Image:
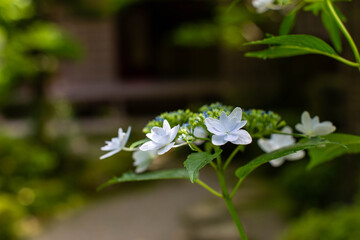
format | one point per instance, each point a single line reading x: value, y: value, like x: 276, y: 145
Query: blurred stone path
x: 158, y: 213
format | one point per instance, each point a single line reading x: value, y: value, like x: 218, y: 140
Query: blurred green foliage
x: 23, y: 159
x: 231, y: 27
x: 29, y: 46
x: 320, y: 187
x: 33, y: 183
x: 29, y: 187
x: 338, y: 224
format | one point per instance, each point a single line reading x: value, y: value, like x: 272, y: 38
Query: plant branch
x: 236, y: 188
x: 344, y: 31
x: 207, y: 187
x: 232, y: 155
x: 230, y: 205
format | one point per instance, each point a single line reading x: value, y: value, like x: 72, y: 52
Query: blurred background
x: 73, y: 72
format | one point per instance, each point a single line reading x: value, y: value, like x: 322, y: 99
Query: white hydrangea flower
x: 143, y: 159
x: 162, y: 139
x: 228, y: 129
x: 313, y: 127
x: 277, y: 141
x: 116, y: 144
x: 264, y: 5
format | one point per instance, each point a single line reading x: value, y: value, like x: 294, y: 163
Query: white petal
x: 140, y: 156
x: 200, y: 132
x: 286, y: 129
x: 110, y: 153
x: 214, y: 126
x: 300, y: 128
x: 315, y: 121
x: 173, y: 132
x: 166, y: 126
x: 161, y: 140
x: 143, y: 166
x: 324, y: 128
x: 166, y: 148
x: 120, y: 132
x: 306, y: 122
x: 108, y: 147
x: 158, y: 131
x: 115, y: 141
x: 218, y: 140
x: 237, y: 125
x: 277, y: 162
x: 265, y: 145
x: 236, y: 113
x: 225, y: 121
x: 142, y: 160
x: 295, y: 156
x: 149, y: 146
x: 126, y: 137
x: 282, y: 140
x: 243, y: 139
x: 231, y: 137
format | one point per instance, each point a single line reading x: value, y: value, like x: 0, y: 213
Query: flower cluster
x: 313, y: 127
x: 278, y: 141
x: 228, y: 129
x: 216, y: 124
x: 162, y: 139
x: 116, y: 144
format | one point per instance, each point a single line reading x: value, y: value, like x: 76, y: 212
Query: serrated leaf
x: 245, y: 170
x: 288, y: 23
x: 332, y: 151
x: 332, y: 28
x: 292, y: 45
x: 180, y: 173
x: 196, y: 161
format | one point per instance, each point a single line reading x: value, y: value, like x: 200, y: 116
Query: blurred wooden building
x: 132, y: 65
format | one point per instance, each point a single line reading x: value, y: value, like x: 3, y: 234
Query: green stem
x: 232, y: 155
x: 207, y: 187
x: 235, y: 218
x: 236, y: 188
x: 344, y: 60
x: 344, y: 31
x: 194, y: 147
x: 230, y: 205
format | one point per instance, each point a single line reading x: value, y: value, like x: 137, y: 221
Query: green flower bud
x: 261, y: 123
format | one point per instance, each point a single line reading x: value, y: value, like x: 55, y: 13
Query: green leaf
x: 245, y: 170
x: 332, y: 28
x: 288, y: 23
x: 196, y: 161
x: 277, y: 52
x: 180, y: 173
x: 347, y: 144
x: 293, y: 45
